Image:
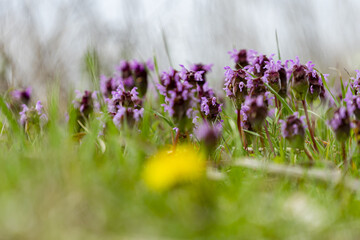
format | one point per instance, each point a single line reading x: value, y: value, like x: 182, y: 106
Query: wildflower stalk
x: 176, y: 140
x: 309, y: 124
x: 268, y: 137
x: 343, y: 149
x: 309, y: 156
x: 239, y: 119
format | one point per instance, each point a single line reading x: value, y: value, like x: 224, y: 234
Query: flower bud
x: 340, y: 123
x: 211, y: 108
x: 293, y: 131
x: 300, y: 84
x: 236, y: 85
x: 209, y: 135
x: 256, y: 111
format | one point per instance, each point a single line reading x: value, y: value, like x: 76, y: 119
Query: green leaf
x: 9, y: 116
x: 282, y: 100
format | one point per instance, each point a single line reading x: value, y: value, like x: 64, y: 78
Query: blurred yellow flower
x: 168, y: 168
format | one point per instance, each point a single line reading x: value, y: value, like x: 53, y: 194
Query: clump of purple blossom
x: 129, y: 74
x: 272, y: 74
x: 256, y: 111
x: 300, y: 83
x: 210, y: 108
x: 86, y: 103
x: 236, y: 85
x: 179, y: 97
x: 293, y: 130
x: 356, y: 83
x: 353, y: 104
x: 316, y: 87
x: 125, y: 106
x: 240, y: 57
x: 34, y: 116
x: 209, y: 135
x: 203, y: 69
x: 340, y: 124
x: 22, y: 96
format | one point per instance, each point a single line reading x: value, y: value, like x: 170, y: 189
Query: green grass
x: 53, y: 186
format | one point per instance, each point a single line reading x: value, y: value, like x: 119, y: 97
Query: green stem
x: 309, y: 125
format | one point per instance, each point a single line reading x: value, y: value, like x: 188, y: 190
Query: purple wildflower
x: 256, y: 111
x: 356, y: 83
x: 258, y: 65
x: 256, y: 87
x: 293, y: 130
x: 85, y: 103
x: 209, y: 135
x: 179, y: 96
x: 236, y: 85
x: 107, y: 85
x: 22, y: 96
x: 33, y: 115
x: 125, y: 106
x: 316, y: 87
x: 132, y: 74
x: 353, y: 104
x: 168, y: 81
x: 211, y: 108
x: 204, y: 69
x: 300, y: 83
x: 272, y: 74
x: 195, y: 78
x: 340, y: 123
x: 243, y: 57
x: 283, y: 82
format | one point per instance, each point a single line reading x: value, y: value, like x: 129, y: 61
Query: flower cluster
x: 242, y: 58
x: 306, y: 82
x: 86, y: 103
x: 340, y: 123
x: 356, y: 83
x: 196, y: 77
x: 211, y: 108
x: 209, y: 135
x: 186, y: 91
x: 255, y: 111
x: 22, y: 96
x: 203, y: 69
x: 125, y: 106
x: 293, y: 130
x: 33, y: 116
x: 130, y: 74
x: 179, y: 95
x: 236, y: 85
x: 316, y: 87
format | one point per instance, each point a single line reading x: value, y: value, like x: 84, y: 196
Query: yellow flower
x: 168, y: 168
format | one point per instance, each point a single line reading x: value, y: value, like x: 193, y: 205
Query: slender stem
x: 312, y: 119
x: 309, y: 156
x: 262, y: 141
x: 239, y: 127
x: 243, y: 134
x: 309, y: 125
x: 343, y: 149
x: 269, y: 140
x: 176, y: 139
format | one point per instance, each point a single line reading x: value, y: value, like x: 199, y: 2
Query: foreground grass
x: 53, y: 187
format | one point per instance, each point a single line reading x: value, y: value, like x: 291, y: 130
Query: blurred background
x: 44, y: 41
